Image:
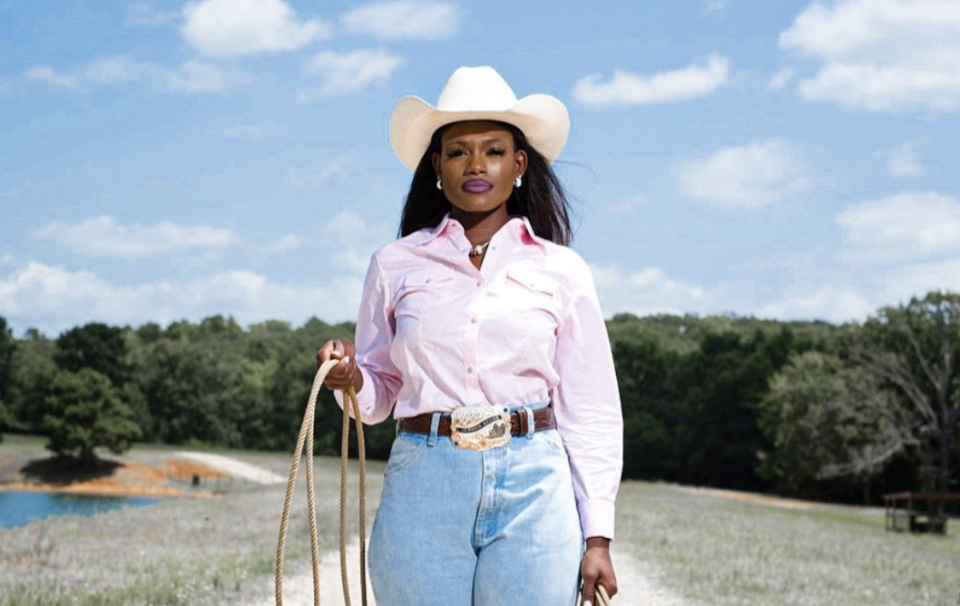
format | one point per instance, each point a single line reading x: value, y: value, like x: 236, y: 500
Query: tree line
x: 806, y: 409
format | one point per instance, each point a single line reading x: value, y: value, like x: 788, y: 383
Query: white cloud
x: 901, y: 283
x: 716, y: 6
x: 645, y: 291
x: 664, y: 87
x: 104, y: 71
x: 199, y: 77
x: 192, y: 77
x: 896, y: 229
x: 902, y: 160
x: 893, y: 249
x: 284, y: 244
x: 354, y: 241
x: 316, y: 175
x: 343, y: 73
x: 744, y: 178
x: 233, y: 28
x: 881, y: 55
x: 48, y: 75
x: 143, y: 14
x: 101, y: 236
x: 781, y: 78
x: 833, y: 303
x: 630, y: 205
x: 253, y: 131
x: 53, y: 299
x: 405, y: 19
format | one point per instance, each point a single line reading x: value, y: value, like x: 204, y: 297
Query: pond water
x: 20, y: 508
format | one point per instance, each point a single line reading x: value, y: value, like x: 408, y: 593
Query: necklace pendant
x: 479, y: 249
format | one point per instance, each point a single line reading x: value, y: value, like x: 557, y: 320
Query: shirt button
x: 473, y: 320
x: 469, y: 370
x: 479, y: 282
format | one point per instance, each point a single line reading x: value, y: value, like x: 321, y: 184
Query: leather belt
x: 542, y: 419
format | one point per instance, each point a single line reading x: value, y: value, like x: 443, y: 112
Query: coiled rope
x: 306, y: 437
x: 601, y: 597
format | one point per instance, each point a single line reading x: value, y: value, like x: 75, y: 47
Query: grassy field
x: 701, y: 547
x: 716, y: 550
x: 180, y: 552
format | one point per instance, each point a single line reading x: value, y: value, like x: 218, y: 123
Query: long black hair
x: 540, y: 199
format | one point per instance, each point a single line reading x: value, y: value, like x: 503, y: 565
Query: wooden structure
x: 921, y: 511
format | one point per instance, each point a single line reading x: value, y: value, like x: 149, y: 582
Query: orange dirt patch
x: 185, y: 470
x: 750, y: 497
x: 132, y: 478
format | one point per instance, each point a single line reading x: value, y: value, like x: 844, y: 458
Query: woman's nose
x: 476, y: 167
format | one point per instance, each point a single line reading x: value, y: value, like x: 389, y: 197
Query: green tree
x: 7, y: 347
x: 723, y: 384
x: 95, y: 346
x: 32, y: 373
x: 913, y: 350
x: 652, y: 411
x: 826, y: 420
x: 186, y: 387
x: 83, y: 413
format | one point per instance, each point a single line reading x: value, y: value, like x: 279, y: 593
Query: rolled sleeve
x: 587, y: 406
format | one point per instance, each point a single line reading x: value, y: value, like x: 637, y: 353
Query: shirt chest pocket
x: 421, y: 291
x: 533, y: 295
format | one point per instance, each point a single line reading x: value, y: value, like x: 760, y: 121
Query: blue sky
x: 166, y: 160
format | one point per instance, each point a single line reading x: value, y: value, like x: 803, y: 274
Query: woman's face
x: 477, y: 165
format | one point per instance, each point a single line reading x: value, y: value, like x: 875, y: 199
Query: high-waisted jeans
x: 463, y: 528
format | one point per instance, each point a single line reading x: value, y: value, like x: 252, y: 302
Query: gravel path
x: 298, y: 588
x: 234, y: 467
x: 637, y: 586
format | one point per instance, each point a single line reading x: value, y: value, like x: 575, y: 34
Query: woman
x: 482, y: 332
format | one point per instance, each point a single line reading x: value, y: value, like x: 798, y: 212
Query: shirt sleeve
x: 374, y: 336
x: 587, y: 407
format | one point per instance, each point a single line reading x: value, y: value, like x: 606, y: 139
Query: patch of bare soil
x: 750, y: 497
x: 170, y: 477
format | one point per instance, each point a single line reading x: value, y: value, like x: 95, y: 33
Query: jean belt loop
x: 399, y: 429
x: 531, y: 426
x: 434, y: 428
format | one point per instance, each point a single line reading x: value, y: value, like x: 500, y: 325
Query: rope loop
x: 306, y: 439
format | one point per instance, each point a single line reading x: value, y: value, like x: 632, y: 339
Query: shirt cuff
x: 597, y: 518
x: 365, y: 398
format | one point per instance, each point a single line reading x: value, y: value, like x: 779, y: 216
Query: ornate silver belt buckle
x: 480, y: 427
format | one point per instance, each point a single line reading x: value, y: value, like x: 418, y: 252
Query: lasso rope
x: 306, y: 436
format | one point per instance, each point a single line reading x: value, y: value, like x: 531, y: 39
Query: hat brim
x: 543, y: 119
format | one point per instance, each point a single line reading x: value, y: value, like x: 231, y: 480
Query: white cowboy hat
x: 478, y: 93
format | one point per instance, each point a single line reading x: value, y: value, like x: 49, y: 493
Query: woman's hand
x: 597, y: 569
x: 345, y: 374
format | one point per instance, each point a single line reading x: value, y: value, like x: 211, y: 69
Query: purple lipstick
x: 477, y: 186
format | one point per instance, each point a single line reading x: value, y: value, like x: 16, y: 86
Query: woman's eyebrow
x: 484, y: 142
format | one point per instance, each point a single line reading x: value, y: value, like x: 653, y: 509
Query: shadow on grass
x: 67, y: 470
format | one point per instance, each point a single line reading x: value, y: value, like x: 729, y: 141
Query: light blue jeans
x: 463, y: 528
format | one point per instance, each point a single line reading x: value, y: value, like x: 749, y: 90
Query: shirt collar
x: 518, y: 226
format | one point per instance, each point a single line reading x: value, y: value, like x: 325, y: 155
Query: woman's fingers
x: 344, y: 374
x: 597, y: 569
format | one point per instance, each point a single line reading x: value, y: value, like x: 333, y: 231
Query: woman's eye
x: 497, y: 152
x: 454, y: 153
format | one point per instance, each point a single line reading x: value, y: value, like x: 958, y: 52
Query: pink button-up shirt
x: 434, y: 333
